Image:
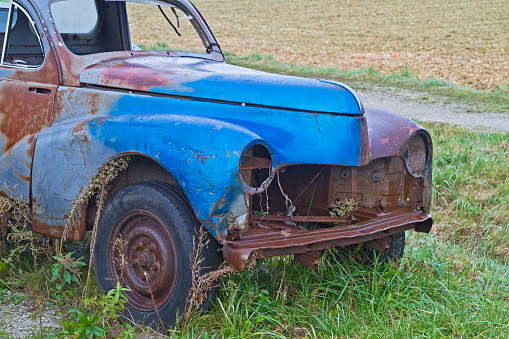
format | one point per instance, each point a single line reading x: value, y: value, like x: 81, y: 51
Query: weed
x: 66, y: 270
x: 98, y: 186
x: 202, y: 284
x: 343, y: 208
x: 87, y: 325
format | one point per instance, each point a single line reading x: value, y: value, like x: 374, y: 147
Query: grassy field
x: 461, y: 42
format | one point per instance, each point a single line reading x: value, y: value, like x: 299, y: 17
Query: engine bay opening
x: 316, y: 196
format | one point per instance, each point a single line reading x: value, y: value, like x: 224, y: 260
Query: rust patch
x: 75, y: 232
x: 309, y: 259
x: 31, y: 146
x: 133, y: 76
x: 22, y: 112
x: 269, y: 241
x: 75, y: 102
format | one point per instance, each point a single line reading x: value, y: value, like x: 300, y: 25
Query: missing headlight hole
x: 256, y: 165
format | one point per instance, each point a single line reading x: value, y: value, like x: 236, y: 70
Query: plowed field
x: 465, y: 42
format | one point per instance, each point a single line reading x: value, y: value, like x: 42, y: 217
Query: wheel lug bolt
x: 133, y: 263
x: 151, y: 248
x: 137, y: 246
x: 154, y: 267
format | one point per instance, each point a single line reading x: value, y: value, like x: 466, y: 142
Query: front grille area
x: 378, y: 184
x: 312, y: 189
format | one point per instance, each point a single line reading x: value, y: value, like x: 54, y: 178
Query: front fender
x: 388, y: 134
x: 69, y: 154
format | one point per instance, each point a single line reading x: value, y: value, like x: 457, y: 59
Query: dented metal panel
x: 273, y: 241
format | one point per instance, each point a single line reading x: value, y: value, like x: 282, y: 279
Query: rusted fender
x: 387, y: 134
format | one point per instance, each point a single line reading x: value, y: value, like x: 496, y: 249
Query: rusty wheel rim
x: 143, y: 249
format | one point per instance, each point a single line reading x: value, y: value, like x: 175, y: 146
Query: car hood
x: 193, y: 78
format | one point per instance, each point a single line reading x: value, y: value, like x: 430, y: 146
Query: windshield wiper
x: 168, y: 19
x: 176, y: 16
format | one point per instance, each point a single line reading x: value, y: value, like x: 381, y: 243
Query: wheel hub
x: 149, y: 251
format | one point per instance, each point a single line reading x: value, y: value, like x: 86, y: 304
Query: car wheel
x: 366, y: 255
x: 395, y: 252
x: 145, y: 233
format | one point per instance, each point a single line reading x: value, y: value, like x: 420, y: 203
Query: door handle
x: 39, y: 90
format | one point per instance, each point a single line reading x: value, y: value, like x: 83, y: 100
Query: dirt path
x: 422, y: 107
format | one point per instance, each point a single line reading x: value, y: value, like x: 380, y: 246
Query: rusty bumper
x: 271, y: 240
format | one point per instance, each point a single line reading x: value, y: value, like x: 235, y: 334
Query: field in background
x: 464, y: 42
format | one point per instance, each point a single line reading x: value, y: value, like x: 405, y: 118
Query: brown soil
x: 465, y: 42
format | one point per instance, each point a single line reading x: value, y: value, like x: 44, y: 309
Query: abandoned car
x: 269, y: 164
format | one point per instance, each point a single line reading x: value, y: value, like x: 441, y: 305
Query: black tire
x: 368, y: 256
x: 395, y: 252
x: 157, y: 226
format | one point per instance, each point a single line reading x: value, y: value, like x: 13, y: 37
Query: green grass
x: 479, y: 100
x: 438, y: 291
x: 471, y: 188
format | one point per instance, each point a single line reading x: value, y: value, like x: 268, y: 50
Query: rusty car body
x: 259, y: 159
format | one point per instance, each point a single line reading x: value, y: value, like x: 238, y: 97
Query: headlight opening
x: 417, y: 154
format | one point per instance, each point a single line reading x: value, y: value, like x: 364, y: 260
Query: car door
x: 28, y: 82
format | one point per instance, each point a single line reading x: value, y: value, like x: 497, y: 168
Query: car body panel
x: 84, y: 137
x: 208, y: 80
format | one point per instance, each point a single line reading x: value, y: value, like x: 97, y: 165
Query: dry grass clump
x: 16, y: 237
x: 202, y: 283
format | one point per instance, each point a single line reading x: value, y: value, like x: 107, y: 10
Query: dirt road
x: 422, y: 107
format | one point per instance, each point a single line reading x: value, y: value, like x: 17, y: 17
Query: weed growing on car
x: 202, y: 284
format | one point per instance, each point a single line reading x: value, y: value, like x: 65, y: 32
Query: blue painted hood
x: 217, y: 81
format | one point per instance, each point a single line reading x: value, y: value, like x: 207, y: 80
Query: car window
x: 78, y: 17
x: 97, y: 26
x: 88, y: 26
x: 162, y: 28
x: 4, y: 15
x: 22, y: 43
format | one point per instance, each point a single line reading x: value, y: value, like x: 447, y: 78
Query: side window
x: 21, y: 43
x: 79, y: 17
x: 156, y: 27
x: 87, y: 26
x: 4, y: 16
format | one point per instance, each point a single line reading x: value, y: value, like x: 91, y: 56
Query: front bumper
x: 275, y: 237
